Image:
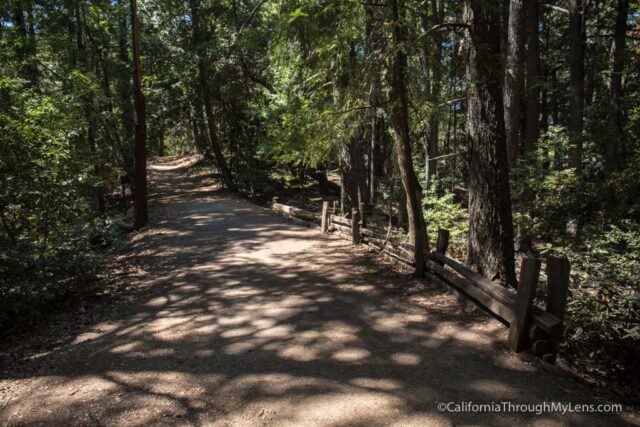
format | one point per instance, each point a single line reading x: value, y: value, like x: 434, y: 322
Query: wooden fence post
x: 335, y: 207
x: 441, y: 246
x: 557, y: 290
x: 355, y: 226
x: 324, y: 222
x: 443, y: 241
x: 529, y: 274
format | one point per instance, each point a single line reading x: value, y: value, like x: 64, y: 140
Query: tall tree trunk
x: 514, y: 79
x: 352, y: 166
x: 89, y: 105
x: 545, y: 111
x: 425, y: 56
x: 534, y: 74
x: 161, y: 140
x: 576, y: 83
x: 373, y: 50
x: 615, y: 142
x: 203, y: 78
x: 555, y: 96
x: 437, y: 11
x: 140, y: 215
x: 31, y: 47
x: 431, y: 52
x: 490, y: 246
x: 124, y: 89
x: 400, y: 123
x: 352, y: 171
x: 373, y: 147
x: 221, y: 162
x: 592, y: 60
x: 21, y: 31
x: 197, y: 127
x: 195, y: 131
x: 71, y: 28
x: 25, y: 47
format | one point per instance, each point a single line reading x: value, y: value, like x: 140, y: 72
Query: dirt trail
x: 244, y: 318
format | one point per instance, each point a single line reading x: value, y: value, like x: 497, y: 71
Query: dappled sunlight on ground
x: 246, y: 319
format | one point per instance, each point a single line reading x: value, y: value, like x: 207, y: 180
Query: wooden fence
x: 531, y: 327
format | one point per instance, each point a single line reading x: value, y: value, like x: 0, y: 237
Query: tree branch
x: 444, y: 156
x: 556, y: 8
x: 451, y: 26
x: 253, y: 12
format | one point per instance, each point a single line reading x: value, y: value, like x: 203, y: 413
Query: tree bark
x: 615, y: 142
x: 431, y: 52
x: 203, y: 78
x: 514, y: 79
x: 25, y: 47
x: 534, y: 73
x: 89, y: 105
x: 490, y: 245
x: 161, y: 140
x: 197, y: 127
x: 124, y: 89
x: 437, y: 10
x: 576, y: 83
x: 374, y: 52
x: 426, y: 67
x: 400, y: 123
x: 352, y: 171
x: 352, y: 165
x: 141, y: 215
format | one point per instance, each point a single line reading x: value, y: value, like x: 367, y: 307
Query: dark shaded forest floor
x: 234, y: 316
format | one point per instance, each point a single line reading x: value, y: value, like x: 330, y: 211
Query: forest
x: 513, y: 124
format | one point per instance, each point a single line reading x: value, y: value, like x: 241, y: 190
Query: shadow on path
x: 247, y: 319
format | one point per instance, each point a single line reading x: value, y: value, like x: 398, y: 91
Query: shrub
x: 441, y: 211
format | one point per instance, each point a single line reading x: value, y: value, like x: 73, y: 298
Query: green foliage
x: 33, y: 283
x: 593, y: 222
x: 605, y: 288
x: 297, y: 135
x: 47, y: 228
x: 546, y: 198
x: 625, y: 189
x: 441, y: 211
x: 40, y: 178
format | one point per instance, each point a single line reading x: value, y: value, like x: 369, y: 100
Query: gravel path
x: 245, y: 318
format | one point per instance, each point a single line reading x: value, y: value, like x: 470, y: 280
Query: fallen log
x: 296, y: 212
x: 341, y: 228
x: 335, y: 219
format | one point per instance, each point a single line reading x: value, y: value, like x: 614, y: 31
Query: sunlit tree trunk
x: 400, y: 122
x: 203, y: 78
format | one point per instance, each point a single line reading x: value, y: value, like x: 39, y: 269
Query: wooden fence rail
x: 530, y: 326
